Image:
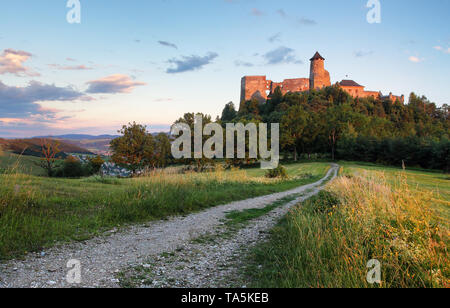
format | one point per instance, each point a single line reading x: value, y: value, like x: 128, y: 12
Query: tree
x: 336, y: 121
x: 96, y: 163
x: 229, y: 113
x: 292, y: 125
x: 189, y: 119
x: 72, y: 168
x: 162, y: 150
x: 134, y: 149
x: 49, y: 151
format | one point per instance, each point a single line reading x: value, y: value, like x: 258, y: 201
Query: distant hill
x: 79, y: 137
x: 95, y: 144
x: 32, y: 147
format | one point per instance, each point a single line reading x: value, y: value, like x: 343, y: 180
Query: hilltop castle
x: 258, y: 87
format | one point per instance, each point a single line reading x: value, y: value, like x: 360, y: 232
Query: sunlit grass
x: 363, y: 215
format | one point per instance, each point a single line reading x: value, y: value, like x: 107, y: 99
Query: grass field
x: 400, y: 218
x: 22, y: 164
x: 37, y: 212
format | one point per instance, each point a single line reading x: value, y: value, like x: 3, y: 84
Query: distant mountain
x: 32, y: 147
x: 79, y: 137
x: 95, y: 144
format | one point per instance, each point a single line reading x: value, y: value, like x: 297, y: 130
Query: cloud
x: 190, y: 63
x: 168, y: 44
x: 117, y: 83
x: 282, y: 13
x: 362, y: 53
x: 281, y: 55
x: 70, y: 68
x: 275, y: 38
x: 22, y: 101
x: 257, y: 12
x: 243, y: 63
x: 415, y: 59
x: 306, y: 21
x: 440, y: 48
x: 11, y: 61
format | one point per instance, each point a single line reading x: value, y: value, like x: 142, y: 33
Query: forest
x: 329, y: 123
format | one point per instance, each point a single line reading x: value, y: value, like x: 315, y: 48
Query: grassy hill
x: 400, y: 218
x: 32, y: 147
x: 21, y: 163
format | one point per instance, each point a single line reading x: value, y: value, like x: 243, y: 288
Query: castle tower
x: 319, y: 77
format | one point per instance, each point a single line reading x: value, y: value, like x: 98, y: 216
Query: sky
x: 151, y: 61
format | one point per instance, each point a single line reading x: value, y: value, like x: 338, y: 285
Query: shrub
x: 71, y: 168
x: 279, y: 172
x: 96, y: 164
x: 102, y: 180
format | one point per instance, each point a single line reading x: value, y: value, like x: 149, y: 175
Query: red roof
x: 349, y: 83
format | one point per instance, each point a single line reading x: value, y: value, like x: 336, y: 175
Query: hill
x: 95, y: 144
x: 21, y: 164
x: 32, y: 147
x: 79, y: 137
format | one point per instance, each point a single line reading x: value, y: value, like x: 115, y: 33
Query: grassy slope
x: 421, y: 180
x: 23, y: 164
x: 328, y: 241
x: 36, y: 212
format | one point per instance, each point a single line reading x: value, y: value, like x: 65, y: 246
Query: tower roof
x: 317, y: 56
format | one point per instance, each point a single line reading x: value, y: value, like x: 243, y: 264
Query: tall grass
x: 37, y: 212
x: 329, y: 240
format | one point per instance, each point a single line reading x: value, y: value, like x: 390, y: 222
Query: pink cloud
x: 12, y: 62
x: 117, y: 83
x: 70, y: 67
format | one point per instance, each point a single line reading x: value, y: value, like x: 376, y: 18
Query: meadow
x: 400, y: 218
x: 39, y: 212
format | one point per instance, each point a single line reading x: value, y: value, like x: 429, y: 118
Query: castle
x: 258, y: 87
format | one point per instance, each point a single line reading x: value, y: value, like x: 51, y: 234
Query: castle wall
x: 259, y: 87
x: 254, y: 87
x: 292, y: 85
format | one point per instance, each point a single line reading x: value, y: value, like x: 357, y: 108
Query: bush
x: 279, y: 172
x: 96, y: 164
x: 71, y: 168
x: 103, y: 180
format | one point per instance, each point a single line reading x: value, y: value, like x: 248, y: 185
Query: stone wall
x: 319, y: 76
x: 259, y: 87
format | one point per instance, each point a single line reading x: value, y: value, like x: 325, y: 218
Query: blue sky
x: 152, y: 61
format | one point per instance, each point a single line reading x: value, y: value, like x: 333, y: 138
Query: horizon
x: 173, y: 58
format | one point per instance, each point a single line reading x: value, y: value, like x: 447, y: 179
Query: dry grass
x: 328, y: 241
x: 403, y: 230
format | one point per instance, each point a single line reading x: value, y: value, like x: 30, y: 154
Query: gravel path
x: 103, y: 259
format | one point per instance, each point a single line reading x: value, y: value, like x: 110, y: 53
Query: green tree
x: 134, y: 149
x: 162, y: 150
x: 292, y: 125
x: 229, y: 113
x: 189, y: 119
x: 96, y: 163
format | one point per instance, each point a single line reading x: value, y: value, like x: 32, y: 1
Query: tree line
x: 327, y: 122
x: 331, y: 122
